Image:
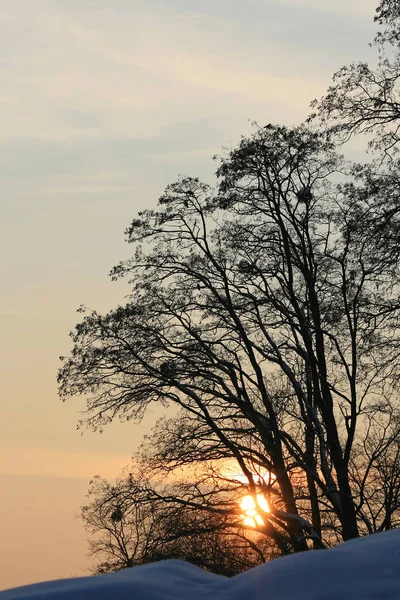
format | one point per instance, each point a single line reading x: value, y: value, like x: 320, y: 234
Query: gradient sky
x: 102, y: 104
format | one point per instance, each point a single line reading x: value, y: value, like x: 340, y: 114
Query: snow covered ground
x: 358, y: 570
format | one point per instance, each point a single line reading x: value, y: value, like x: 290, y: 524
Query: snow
x: 362, y: 569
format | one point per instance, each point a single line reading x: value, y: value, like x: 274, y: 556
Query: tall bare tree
x: 265, y: 314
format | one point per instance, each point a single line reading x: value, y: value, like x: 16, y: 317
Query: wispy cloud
x: 82, y: 72
x: 363, y: 8
x: 52, y: 462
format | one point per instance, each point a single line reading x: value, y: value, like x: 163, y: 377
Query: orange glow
x: 259, y: 478
x: 251, y: 516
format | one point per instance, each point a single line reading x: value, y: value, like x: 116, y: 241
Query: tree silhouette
x: 365, y: 99
x: 266, y: 313
x: 129, y: 527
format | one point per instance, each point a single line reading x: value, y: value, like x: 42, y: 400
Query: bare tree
x: 129, y: 527
x: 363, y: 98
x: 265, y: 314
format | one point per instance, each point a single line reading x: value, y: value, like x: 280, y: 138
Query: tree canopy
x: 364, y: 98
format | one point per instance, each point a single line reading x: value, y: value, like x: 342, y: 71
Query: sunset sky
x: 102, y: 105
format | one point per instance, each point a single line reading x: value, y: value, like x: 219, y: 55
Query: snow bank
x: 363, y: 569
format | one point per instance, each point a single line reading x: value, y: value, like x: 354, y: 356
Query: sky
x: 102, y: 105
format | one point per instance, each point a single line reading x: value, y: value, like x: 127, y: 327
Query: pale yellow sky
x: 102, y: 105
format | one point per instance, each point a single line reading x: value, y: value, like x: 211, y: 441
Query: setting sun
x: 251, y: 516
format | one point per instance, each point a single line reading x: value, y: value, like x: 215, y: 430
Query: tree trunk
x: 348, y: 516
